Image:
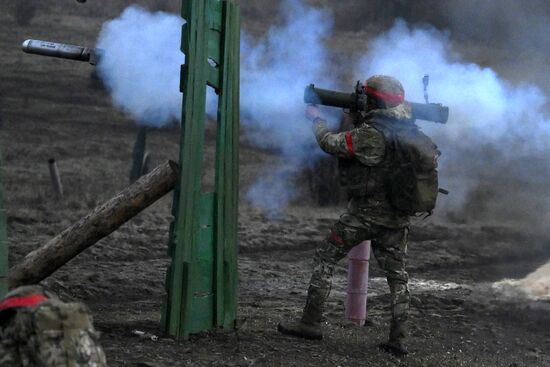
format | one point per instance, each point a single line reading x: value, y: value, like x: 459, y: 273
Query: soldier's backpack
x: 37, y: 329
x: 413, y: 181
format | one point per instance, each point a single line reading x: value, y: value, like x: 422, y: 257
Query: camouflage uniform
x: 366, y: 161
x: 47, y: 332
x: 368, y: 217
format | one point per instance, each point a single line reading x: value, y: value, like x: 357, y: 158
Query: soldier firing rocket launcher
x: 357, y: 101
x: 61, y: 50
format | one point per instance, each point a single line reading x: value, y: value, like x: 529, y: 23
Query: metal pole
x: 56, y: 180
x: 146, y: 165
x: 358, y: 283
x: 201, y: 281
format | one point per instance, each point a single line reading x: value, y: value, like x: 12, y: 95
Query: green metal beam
x: 227, y: 171
x: 202, y: 278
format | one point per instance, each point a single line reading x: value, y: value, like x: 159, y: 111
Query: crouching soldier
x: 39, y: 330
x: 389, y: 169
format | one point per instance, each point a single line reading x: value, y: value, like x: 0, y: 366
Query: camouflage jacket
x: 365, y: 163
x: 39, y: 330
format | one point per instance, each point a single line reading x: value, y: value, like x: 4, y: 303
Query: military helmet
x: 385, y: 90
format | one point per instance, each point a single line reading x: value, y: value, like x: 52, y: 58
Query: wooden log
x: 146, y: 166
x: 102, y: 221
x: 138, y: 154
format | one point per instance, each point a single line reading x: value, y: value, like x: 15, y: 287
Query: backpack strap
x: 393, y: 151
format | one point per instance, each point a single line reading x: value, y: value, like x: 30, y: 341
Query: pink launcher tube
x: 358, y: 283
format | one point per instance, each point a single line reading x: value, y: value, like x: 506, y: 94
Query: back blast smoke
x: 140, y: 64
x: 495, y: 161
x: 494, y: 145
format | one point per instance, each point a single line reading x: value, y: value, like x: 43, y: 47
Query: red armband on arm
x: 349, y: 144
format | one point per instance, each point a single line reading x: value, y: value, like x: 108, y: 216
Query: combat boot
x: 395, y: 345
x: 309, y: 326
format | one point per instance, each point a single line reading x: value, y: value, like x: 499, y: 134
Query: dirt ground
x: 52, y: 109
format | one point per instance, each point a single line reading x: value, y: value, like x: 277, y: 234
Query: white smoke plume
x: 494, y: 145
x: 482, y: 104
x: 275, y: 71
x: 140, y: 64
x: 535, y: 286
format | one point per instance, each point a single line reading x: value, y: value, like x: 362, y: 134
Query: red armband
x: 25, y: 301
x: 349, y: 144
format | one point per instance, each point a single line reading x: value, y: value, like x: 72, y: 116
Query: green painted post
x: 202, y: 278
x: 227, y: 174
x: 3, y: 243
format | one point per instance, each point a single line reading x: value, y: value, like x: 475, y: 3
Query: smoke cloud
x: 495, y: 141
x: 535, y: 286
x: 275, y: 72
x: 494, y: 145
x: 482, y: 104
x: 140, y: 64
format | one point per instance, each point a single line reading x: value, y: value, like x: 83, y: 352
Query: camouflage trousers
x: 389, y: 247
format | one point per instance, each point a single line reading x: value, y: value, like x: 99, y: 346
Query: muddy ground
x: 52, y: 109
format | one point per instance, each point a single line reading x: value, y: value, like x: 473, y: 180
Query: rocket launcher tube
x: 434, y: 112
x: 60, y: 50
x: 330, y: 98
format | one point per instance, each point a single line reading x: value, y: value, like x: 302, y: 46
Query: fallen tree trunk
x: 101, y: 222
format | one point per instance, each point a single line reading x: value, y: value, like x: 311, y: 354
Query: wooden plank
x: 189, y: 278
x: 181, y: 269
x: 203, y: 257
x: 223, y: 169
x: 204, y: 232
x: 230, y: 250
x: 227, y: 175
x: 191, y: 156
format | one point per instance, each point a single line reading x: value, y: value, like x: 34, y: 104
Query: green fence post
x: 227, y: 172
x: 201, y: 281
x: 3, y: 243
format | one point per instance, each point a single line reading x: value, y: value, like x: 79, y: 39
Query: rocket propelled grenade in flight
x: 61, y: 50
